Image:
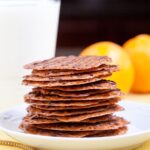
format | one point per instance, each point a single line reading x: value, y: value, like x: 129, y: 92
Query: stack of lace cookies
x: 71, y: 97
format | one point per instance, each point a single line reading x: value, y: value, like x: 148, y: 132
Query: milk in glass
x: 28, y: 32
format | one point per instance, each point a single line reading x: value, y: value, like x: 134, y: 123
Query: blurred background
x: 84, y: 22
x: 28, y: 32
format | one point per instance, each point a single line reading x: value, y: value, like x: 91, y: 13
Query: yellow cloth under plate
x: 8, y: 143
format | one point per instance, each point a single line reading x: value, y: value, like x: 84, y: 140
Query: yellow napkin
x: 145, y: 146
x: 8, y: 143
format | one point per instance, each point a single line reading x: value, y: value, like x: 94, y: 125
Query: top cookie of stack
x: 71, y: 70
x: 71, y: 97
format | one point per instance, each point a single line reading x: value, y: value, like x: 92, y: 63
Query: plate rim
x: 22, y: 134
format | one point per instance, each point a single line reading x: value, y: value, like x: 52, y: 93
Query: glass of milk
x: 28, y: 32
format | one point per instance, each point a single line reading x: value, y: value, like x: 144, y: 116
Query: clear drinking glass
x: 28, y: 32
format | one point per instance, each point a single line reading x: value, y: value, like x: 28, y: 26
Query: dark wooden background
x: 83, y: 22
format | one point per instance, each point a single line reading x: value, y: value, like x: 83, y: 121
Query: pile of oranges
x: 133, y: 59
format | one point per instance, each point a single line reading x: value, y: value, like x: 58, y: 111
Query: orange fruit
x: 138, y: 49
x: 124, y: 78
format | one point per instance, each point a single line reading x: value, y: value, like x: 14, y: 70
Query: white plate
x: 139, y: 131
